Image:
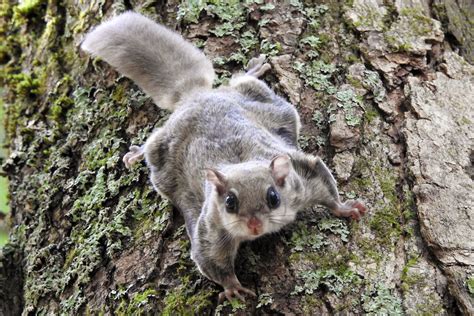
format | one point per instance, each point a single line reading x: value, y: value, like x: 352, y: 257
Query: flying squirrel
x: 227, y: 158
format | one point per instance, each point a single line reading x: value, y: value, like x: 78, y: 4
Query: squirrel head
x: 253, y: 198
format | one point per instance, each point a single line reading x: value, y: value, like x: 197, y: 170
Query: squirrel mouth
x: 255, y: 231
x: 255, y: 226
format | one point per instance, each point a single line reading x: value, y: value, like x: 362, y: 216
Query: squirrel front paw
x: 235, y: 291
x: 353, y: 209
x: 257, y: 66
x: 135, y: 154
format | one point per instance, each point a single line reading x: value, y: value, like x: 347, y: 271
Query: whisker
x: 223, y: 240
x: 231, y: 223
x: 279, y: 217
x: 277, y: 222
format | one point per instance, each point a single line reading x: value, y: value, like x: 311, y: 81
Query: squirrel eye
x: 231, y: 203
x: 273, y: 198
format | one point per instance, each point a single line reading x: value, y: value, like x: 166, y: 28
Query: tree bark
x: 384, y: 97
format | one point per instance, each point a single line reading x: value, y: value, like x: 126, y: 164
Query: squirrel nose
x: 254, y: 223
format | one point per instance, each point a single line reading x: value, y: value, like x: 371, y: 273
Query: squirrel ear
x: 280, y: 168
x: 310, y: 167
x: 217, y: 179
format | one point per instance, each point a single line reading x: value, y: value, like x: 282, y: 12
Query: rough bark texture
x: 385, y: 99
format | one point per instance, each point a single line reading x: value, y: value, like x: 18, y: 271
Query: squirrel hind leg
x: 135, y: 154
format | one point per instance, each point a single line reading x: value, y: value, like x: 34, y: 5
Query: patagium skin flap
x: 227, y: 158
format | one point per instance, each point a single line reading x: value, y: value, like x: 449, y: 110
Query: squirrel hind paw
x: 256, y: 61
x: 235, y: 292
x: 353, y: 209
x: 134, y: 155
x: 257, y: 66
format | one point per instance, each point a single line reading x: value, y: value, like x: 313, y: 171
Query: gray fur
x: 240, y: 139
x: 159, y: 60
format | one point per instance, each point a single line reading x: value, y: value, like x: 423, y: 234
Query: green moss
x: 26, y: 9
x: 351, y: 58
x: 69, y: 257
x: 404, y: 47
x: 370, y: 114
x: 270, y: 48
x: 58, y: 108
x: 440, y: 13
x: 360, y: 183
x: 356, y: 83
x: 317, y: 74
x: 368, y: 16
x: 264, y: 299
x: 183, y: 300
x: 408, y: 204
x: 152, y: 215
x: 373, y: 83
x: 93, y: 231
x: 311, y: 304
x: 370, y: 249
x: 338, y: 282
x: 303, y: 141
x: 119, y: 94
x: 232, y: 17
x: 392, y: 219
x: 312, y: 41
x: 303, y: 239
x: 389, y: 217
x: 336, y: 226
x: 4, y: 195
x: 331, y: 273
x: 248, y: 41
x: 314, y: 15
x: 230, y: 13
x: 97, y: 228
x: 318, y: 118
x: 432, y: 306
x: 349, y: 102
x: 417, y: 15
x: 386, y: 224
x: 235, y: 306
x: 409, y: 279
x: 185, y: 296
x: 338, y: 260
x: 103, y: 151
x: 28, y: 6
x: 135, y: 305
x: 24, y: 84
x: 411, y: 26
x: 378, y: 300
x: 226, y: 28
x: 470, y: 285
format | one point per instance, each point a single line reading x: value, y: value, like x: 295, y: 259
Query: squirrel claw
x: 135, y: 154
x: 353, y: 209
x: 235, y: 291
x: 256, y: 61
x: 257, y: 66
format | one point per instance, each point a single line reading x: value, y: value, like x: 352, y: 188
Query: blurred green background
x: 4, y: 208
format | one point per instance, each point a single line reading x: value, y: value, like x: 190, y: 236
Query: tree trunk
x: 384, y: 97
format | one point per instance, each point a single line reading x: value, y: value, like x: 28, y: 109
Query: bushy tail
x: 160, y: 61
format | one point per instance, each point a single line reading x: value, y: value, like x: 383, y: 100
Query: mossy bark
x: 89, y: 236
